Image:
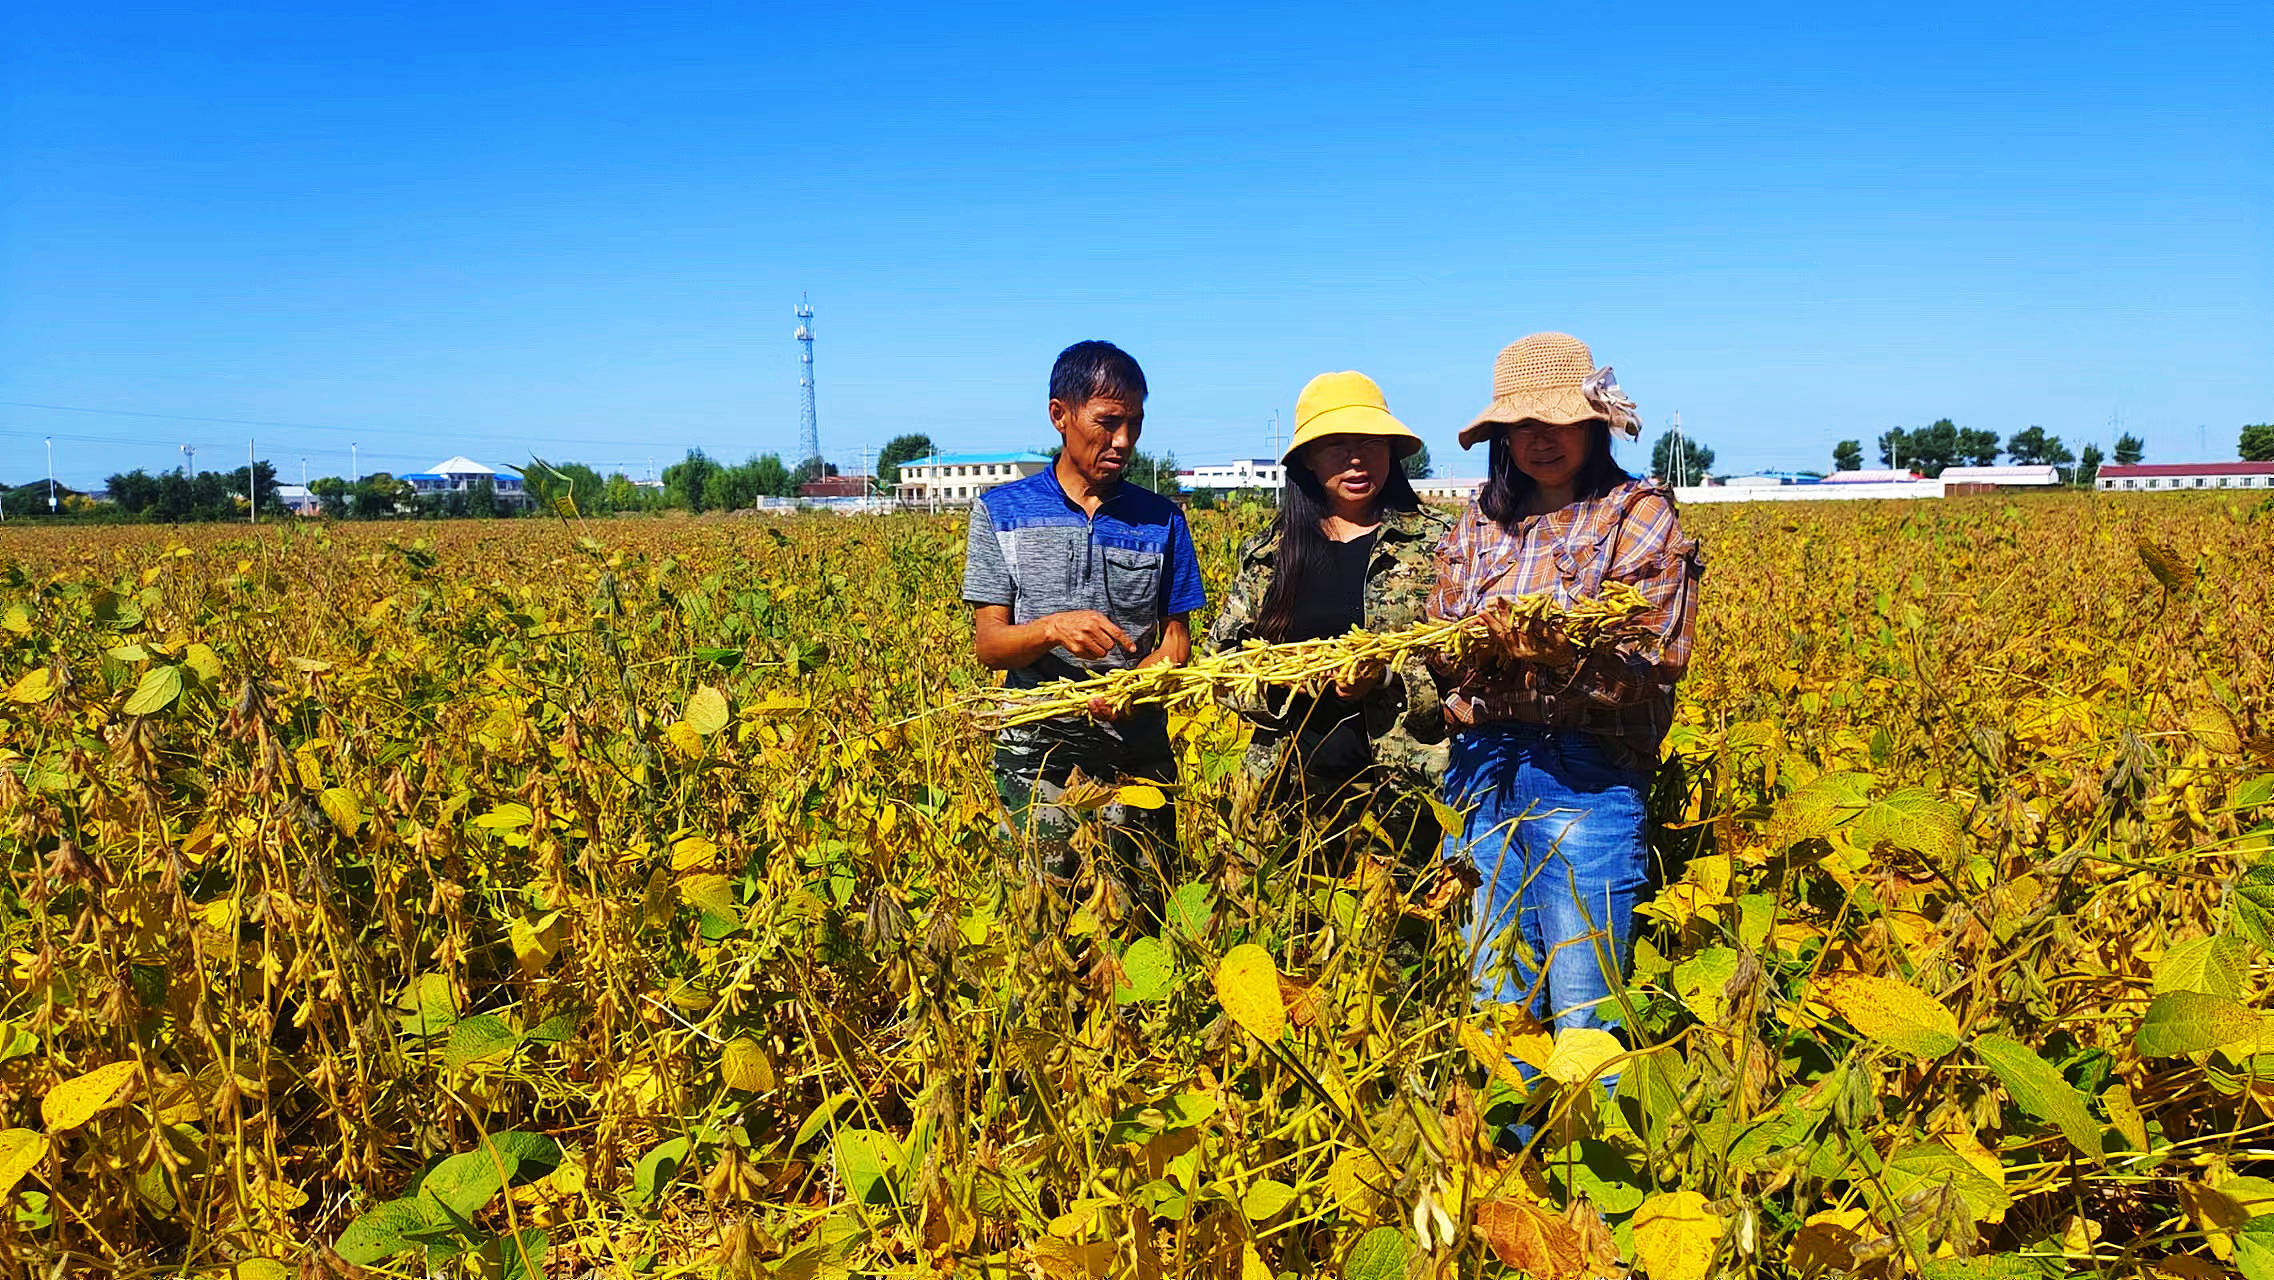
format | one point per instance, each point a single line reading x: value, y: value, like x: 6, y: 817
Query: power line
x: 438, y: 432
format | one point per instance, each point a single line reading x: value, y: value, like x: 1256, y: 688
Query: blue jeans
x: 1557, y: 834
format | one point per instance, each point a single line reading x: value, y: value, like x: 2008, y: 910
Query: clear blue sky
x: 496, y: 229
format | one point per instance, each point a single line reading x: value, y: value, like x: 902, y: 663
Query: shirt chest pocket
x: 1579, y: 570
x: 1133, y: 587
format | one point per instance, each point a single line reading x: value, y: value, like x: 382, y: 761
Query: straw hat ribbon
x: 1339, y: 404
x: 1552, y: 378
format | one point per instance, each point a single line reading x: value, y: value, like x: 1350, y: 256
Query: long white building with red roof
x: 2162, y: 477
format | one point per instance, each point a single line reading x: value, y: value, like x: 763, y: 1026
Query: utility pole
x: 354, y: 463
x: 252, y: 486
x: 51, y: 475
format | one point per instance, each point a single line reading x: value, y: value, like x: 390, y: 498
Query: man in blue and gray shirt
x: 1072, y: 571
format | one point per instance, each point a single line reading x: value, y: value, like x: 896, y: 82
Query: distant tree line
x: 1933, y: 449
x: 699, y: 483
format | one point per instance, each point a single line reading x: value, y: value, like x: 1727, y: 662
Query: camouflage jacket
x: 1405, y: 724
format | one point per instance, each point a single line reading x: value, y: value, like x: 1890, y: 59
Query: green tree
x: 481, y: 497
x: 332, y: 496
x: 1847, y: 455
x: 2257, y: 443
x: 134, y: 491
x: 548, y: 482
x: 1417, y: 464
x: 1933, y: 448
x: 809, y: 470
x: 264, y: 477
x: 2088, y: 466
x: 2029, y: 446
x: 620, y: 494
x: 381, y: 496
x: 1155, y: 473
x: 770, y: 477
x: 2130, y: 449
x: 898, y: 450
x: 1976, y: 447
x: 29, y: 500
x: 1689, y: 467
x: 684, y: 481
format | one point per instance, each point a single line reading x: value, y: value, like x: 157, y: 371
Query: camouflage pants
x: 1119, y: 859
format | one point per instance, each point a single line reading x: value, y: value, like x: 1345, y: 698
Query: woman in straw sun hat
x: 1556, y: 749
x: 1352, y: 547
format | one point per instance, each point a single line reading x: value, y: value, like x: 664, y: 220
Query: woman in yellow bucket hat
x: 1352, y: 547
x: 1553, y: 751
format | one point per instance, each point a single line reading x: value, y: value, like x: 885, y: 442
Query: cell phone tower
x: 809, y: 425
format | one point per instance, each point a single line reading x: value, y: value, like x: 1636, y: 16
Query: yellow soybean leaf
x: 534, y: 940
x: 1247, y: 985
x: 20, y: 1149
x: 684, y: 740
x: 35, y: 686
x: 1251, y: 1264
x: 706, y: 711
x: 76, y: 1101
x: 745, y: 1065
x: 1580, y: 1052
x: 693, y: 851
x: 1675, y: 1237
x: 1894, y: 1013
x: 17, y: 619
x: 201, y: 659
x: 1359, y: 1183
x: 1140, y: 795
x: 345, y: 811
x: 1481, y: 1045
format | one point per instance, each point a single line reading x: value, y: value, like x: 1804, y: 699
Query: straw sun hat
x: 1552, y: 378
x: 1338, y: 404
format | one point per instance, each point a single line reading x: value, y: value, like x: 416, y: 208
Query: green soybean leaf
x: 869, y: 1162
x: 2042, y: 1091
x: 2252, y: 906
x: 1380, y: 1254
x: 379, y: 1234
x: 1147, y: 972
x: 2214, y: 966
x: 157, y: 691
x: 476, y: 1039
x: 2181, y: 1022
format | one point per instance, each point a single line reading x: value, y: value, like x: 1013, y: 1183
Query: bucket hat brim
x: 1559, y: 406
x: 1353, y: 420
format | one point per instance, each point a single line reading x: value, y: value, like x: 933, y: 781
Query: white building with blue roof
x: 954, y: 479
x: 459, y: 474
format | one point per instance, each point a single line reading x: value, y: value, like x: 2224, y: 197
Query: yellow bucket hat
x: 1346, y: 404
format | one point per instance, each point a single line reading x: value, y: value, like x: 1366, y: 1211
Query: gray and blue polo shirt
x: 1032, y: 549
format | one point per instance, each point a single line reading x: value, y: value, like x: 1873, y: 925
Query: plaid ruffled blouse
x: 1624, y: 693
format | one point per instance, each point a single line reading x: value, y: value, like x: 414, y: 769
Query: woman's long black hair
x: 1303, y: 546
x: 1506, y: 487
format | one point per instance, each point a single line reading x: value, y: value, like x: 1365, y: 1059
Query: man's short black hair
x: 1094, y: 368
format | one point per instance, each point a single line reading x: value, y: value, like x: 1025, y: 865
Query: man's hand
x: 1005, y: 645
x: 1086, y: 633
